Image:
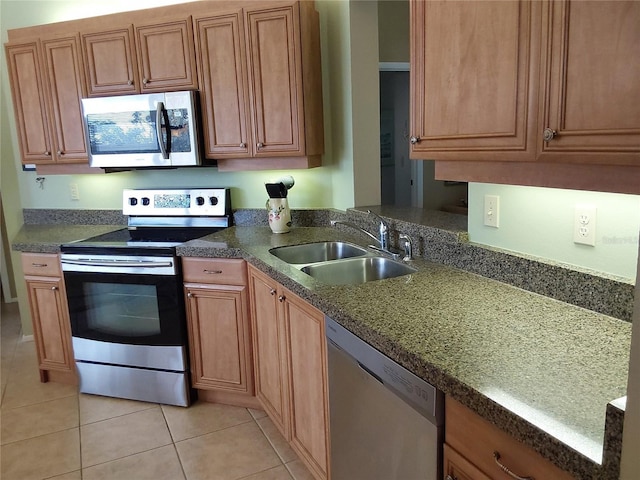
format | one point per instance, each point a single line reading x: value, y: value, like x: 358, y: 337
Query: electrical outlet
x: 73, y: 191
x: 584, y: 225
x: 491, y: 211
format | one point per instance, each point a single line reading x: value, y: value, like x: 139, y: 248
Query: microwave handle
x: 161, y: 114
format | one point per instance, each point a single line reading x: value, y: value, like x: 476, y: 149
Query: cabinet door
x: 110, y: 60
x: 65, y: 77
x: 275, y: 78
x: 29, y: 102
x: 269, y: 347
x: 51, y: 324
x: 307, y: 365
x: 219, y: 337
x: 456, y: 467
x: 220, y: 50
x: 474, y: 80
x: 593, y: 94
x: 166, y: 57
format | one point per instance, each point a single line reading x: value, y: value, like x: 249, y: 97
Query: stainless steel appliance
x: 386, y: 423
x: 125, y: 295
x: 134, y: 131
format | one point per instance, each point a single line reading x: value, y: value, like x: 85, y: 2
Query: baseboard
x: 27, y: 338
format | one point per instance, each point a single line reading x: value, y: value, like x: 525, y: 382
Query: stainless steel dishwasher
x: 386, y: 423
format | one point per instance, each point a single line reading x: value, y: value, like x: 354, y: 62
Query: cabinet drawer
x: 476, y: 439
x: 42, y: 264
x: 225, y: 271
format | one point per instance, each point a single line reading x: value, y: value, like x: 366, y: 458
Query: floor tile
x: 77, y: 475
x: 277, y: 473
x: 256, y: 414
x: 41, y: 457
x: 40, y: 419
x: 202, y: 418
x: 94, y: 408
x: 122, y: 436
x: 232, y: 453
x: 158, y: 464
x: 299, y: 471
x: 277, y: 441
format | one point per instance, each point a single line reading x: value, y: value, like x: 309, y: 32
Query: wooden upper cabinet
x: 166, y: 57
x: 140, y: 58
x: 474, y: 70
x: 65, y: 75
x: 275, y: 76
x: 592, y: 97
x: 29, y: 103
x: 47, y: 83
x: 110, y: 59
x: 220, y: 53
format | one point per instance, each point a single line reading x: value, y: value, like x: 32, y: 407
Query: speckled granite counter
x: 540, y: 369
x: 48, y: 238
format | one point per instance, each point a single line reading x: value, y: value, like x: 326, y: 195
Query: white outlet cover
x: 584, y: 225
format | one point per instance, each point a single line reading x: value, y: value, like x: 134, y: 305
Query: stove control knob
x: 145, y: 201
x: 213, y: 200
x: 200, y: 201
x: 133, y: 201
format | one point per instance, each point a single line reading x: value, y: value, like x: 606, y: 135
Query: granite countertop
x: 540, y: 369
x: 48, y: 238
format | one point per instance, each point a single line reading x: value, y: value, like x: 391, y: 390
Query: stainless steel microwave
x: 134, y: 131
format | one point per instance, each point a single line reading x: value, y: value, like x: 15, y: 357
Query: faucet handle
x: 383, y: 222
x: 408, y: 247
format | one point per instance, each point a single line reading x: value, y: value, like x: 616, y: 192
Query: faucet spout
x: 354, y: 226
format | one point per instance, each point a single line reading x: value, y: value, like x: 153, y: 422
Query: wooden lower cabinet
x: 50, y: 317
x: 470, y: 445
x: 291, y: 368
x: 219, y: 329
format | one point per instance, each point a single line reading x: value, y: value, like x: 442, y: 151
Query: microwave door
x: 162, y: 122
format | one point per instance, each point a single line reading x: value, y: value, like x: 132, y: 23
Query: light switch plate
x: 491, y: 211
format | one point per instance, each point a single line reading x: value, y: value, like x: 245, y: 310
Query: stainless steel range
x: 125, y: 295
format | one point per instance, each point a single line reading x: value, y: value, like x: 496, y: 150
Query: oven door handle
x: 116, y: 263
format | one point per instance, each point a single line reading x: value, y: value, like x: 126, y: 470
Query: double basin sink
x: 340, y: 263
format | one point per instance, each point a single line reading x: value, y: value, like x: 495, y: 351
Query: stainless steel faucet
x: 382, y: 240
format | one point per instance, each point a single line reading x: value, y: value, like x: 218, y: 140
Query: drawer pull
x: 39, y: 265
x: 505, y: 469
x: 212, y: 272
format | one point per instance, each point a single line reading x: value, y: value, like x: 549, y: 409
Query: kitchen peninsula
x: 540, y: 369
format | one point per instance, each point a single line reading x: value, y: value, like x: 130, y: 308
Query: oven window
x: 122, y: 309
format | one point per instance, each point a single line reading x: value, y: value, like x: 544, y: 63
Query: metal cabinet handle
x: 243, y: 145
x: 47, y: 153
x: 281, y: 298
x: 414, y: 140
x: 54, y: 288
x: 145, y: 81
x: 60, y: 152
x: 260, y: 145
x: 130, y: 82
x: 189, y: 295
x: 272, y: 292
x: 505, y: 469
x: 39, y: 265
x: 549, y: 134
x: 449, y: 477
x: 212, y: 272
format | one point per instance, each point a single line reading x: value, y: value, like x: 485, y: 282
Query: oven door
x: 124, y: 308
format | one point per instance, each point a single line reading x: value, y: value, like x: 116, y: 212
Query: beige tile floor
x: 50, y: 431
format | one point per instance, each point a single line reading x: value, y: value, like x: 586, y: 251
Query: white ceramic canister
x: 279, y: 215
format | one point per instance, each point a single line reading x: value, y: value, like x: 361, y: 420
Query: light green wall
x: 393, y: 26
x: 539, y: 222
